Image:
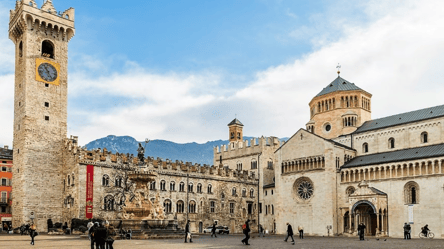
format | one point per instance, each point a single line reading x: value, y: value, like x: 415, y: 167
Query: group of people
x: 290, y: 232
x: 101, y: 235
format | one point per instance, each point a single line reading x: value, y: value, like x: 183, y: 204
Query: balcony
x: 4, y: 201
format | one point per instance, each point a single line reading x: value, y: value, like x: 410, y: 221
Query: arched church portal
x: 365, y: 212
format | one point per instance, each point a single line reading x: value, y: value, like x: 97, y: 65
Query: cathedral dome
x: 339, y: 84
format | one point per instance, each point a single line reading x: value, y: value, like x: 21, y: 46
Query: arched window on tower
x: 365, y: 148
x: 391, y: 143
x: 424, y: 137
x: 233, y: 191
x: 181, y: 187
x: 172, y: 186
x: 48, y: 49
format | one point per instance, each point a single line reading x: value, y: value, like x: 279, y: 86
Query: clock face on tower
x: 47, y: 72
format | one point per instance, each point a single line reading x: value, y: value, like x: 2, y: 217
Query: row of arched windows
x: 349, y: 121
x: 365, y: 103
x: 181, y: 187
x: 345, y: 102
x: 391, y: 142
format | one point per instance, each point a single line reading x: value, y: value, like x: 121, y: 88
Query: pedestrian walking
x: 246, y: 231
x: 301, y: 232
x: 188, y: 232
x: 110, y: 233
x: 213, y: 230
x: 361, y: 231
x: 33, y: 233
x: 289, y: 233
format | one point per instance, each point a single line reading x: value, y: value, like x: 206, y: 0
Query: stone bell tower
x: 235, y: 128
x: 41, y: 37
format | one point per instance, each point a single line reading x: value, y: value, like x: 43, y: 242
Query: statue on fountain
x: 141, y: 153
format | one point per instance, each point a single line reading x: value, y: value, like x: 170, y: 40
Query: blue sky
x: 181, y: 70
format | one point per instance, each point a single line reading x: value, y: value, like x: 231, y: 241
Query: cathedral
x: 343, y: 169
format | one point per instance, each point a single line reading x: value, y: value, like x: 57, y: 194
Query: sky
x: 182, y: 70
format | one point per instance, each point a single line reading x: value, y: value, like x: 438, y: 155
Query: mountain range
x: 188, y: 152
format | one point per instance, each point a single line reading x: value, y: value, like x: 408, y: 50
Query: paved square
x: 226, y: 241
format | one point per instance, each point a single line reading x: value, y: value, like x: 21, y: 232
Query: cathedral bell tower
x: 41, y: 37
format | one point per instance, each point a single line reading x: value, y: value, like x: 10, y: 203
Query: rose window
x: 305, y: 190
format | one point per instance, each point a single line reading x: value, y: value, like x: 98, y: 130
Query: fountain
x: 145, y: 218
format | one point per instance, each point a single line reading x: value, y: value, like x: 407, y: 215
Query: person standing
x: 301, y: 232
x: 89, y: 226
x: 361, y: 229
x: 188, y: 232
x: 33, y: 233
x: 289, y: 233
x: 213, y: 230
x: 406, y: 231
x: 261, y: 231
x: 100, y: 236
x: 92, y: 234
x: 409, y: 231
x: 246, y: 231
x: 110, y: 233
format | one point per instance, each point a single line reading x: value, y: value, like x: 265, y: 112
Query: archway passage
x: 365, y: 213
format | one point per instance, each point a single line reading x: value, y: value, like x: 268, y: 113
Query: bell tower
x: 41, y: 37
x: 235, y: 128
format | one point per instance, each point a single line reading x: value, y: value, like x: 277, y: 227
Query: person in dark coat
x: 188, y: 231
x: 100, y: 236
x: 92, y: 234
x: 361, y: 229
x: 246, y: 232
x: 406, y: 231
x: 110, y: 233
x: 213, y: 230
x: 409, y: 231
x: 289, y: 233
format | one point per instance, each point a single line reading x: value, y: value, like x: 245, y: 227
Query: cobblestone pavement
x: 224, y: 241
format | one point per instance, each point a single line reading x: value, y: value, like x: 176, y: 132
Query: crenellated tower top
x: 27, y: 16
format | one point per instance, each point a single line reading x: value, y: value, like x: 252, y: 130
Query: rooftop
x: 6, y: 153
x: 403, y: 118
x: 397, y: 156
x: 235, y: 122
x: 339, y: 84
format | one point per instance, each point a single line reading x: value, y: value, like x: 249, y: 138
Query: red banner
x: 89, y: 191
